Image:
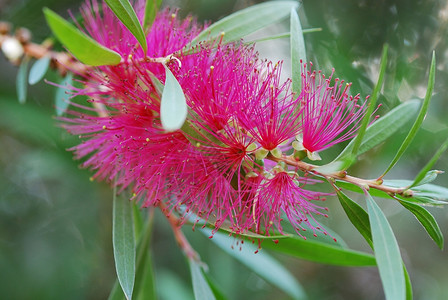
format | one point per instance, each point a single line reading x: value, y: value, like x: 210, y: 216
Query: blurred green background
x: 55, y: 225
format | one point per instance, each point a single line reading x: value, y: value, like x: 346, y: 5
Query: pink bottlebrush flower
x: 270, y: 196
x: 237, y: 104
x: 329, y: 114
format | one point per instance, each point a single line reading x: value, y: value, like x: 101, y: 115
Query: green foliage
x: 387, y: 253
x: 61, y: 98
x: 320, y: 252
x: 125, y: 12
x: 357, y: 215
x: 173, y: 107
x: 246, y: 21
x: 371, y: 106
x: 298, y: 51
x: 383, y: 128
x: 21, y: 82
x: 427, y: 175
x: 427, y: 220
x: 261, y: 263
x: 151, y: 9
x: 38, y: 70
x: 87, y: 50
x: 201, y: 288
x: 421, y: 116
x: 123, y: 240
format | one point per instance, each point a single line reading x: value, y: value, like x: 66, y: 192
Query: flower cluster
x: 225, y: 164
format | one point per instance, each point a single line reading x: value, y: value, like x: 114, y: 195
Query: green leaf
x: 298, y: 51
x: 409, y: 295
x: 432, y: 191
x: 201, y: 288
x: 215, y: 289
x: 246, y: 21
x: 281, y: 35
x: 83, y: 47
x: 320, y: 252
x: 387, y: 253
x: 426, y: 175
x: 372, y: 104
x: 145, y: 284
x: 357, y: 215
x: 383, y: 128
x: 427, y: 220
x: 116, y: 293
x: 21, y: 82
x: 421, y: 116
x: 39, y: 69
x: 124, y: 243
x: 151, y: 9
x: 61, y: 98
x: 261, y: 263
x: 125, y: 12
x: 173, y: 107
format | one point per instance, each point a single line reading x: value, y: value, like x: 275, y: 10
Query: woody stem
x: 364, y: 184
x: 182, y: 241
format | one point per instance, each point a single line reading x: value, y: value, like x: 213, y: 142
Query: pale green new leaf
x: 21, y: 82
x: 123, y: 240
x: 201, y: 288
x: 387, y: 253
x: 427, y: 220
x: 173, y: 107
x: 298, y: 51
x: 261, y: 263
x: 151, y: 9
x: 426, y: 175
x: 421, y: 116
x: 125, y: 12
x: 61, y: 97
x: 83, y: 47
x: 246, y: 21
x: 39, y: 69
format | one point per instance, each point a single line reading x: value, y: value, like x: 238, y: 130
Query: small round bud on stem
x: 12, y: 49
x: 5, y: 27
x: 23, y: 35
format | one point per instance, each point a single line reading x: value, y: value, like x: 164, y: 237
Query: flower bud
x: 12, y: 49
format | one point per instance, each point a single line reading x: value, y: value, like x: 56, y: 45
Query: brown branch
x: 364, y: 184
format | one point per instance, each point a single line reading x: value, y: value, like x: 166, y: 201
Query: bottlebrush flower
x: 329, y: 114
x: 238, y: 106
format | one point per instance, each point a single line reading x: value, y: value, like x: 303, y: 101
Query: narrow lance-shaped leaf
x: 320, y: 252
x: 387, y: 253
x: 125, y: 12
x: 124, y: 243
x: 422, y: 177
x: 298, y: 52
x: 201, y: 287
x: 39, y: 69
x: 246, y: 21
x: 421, y: 116
x: 427, y: 220
x: 61, y: 98
x: 372, y: 104
x: 383, y: 128
x: 21, y: 82
x: 357, y: 215
x: 281, y: 35
x: 261, y: 263
x: 151, y: 9
x: 83, y: 47
x: 173, y: 107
